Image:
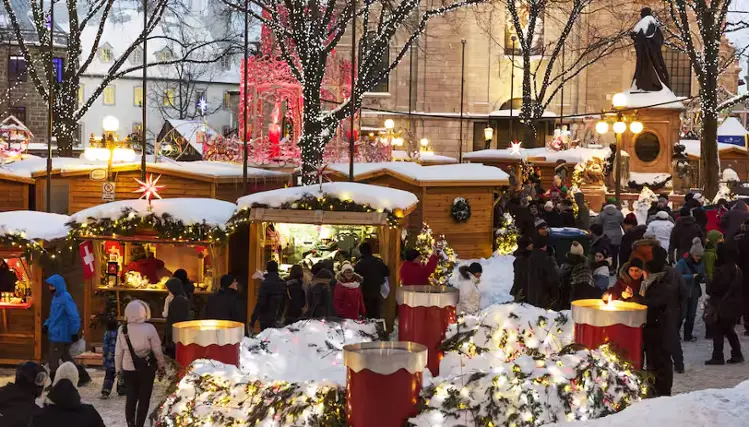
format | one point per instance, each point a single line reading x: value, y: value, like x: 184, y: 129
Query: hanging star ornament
x: 515, y: 147
x: 149, y: 188
x: 202, y: 105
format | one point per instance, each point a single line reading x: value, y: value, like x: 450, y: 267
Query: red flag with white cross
x: 87, y: 257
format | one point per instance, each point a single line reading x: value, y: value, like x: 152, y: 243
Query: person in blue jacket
x: 693, y: 273
x: 63, y: 324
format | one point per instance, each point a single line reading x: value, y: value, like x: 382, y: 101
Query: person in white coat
x: 468, y: 285
x: 661, y: 228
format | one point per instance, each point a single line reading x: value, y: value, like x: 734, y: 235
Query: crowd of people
x: 663, y: 264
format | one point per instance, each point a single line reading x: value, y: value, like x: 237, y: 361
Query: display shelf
x: 15, y: 306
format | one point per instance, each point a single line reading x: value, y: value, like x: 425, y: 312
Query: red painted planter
x: 424, y: 313
x: 618, y: 324
x: 208, y: 339
x: 383, y: 382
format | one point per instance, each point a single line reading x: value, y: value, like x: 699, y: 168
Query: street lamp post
x: 488, y: 136
x: 110, y: 147
x: 619, y: 126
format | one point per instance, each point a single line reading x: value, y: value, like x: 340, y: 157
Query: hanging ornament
x: 515, y: 147
x: 149, y: 188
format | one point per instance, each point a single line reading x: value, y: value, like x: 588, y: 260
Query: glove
x: 160, y: 374
x: 74, y: 337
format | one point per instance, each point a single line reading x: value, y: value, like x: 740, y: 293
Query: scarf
x: 649, y: 280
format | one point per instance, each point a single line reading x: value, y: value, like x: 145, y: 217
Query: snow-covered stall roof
x: 31, y: 166
x: 211, y: 212
x: 373, y: 195
x: 459, y: 174
x: 34, y: 225
x: 693, y: 147
x: 426, y: 158
x: 189, y: 130
x: 661, y: 99
x: 573, y: 155
x: 216, y: 170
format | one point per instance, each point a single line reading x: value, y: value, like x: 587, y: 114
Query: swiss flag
x: 87, y: 257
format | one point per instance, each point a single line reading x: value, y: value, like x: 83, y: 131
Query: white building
x: 173, y: 91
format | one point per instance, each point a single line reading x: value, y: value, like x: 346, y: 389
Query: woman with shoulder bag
x: 137, y: 358
x: 724, y: 305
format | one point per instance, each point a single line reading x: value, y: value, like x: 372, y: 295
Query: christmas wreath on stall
x: 461, y: 210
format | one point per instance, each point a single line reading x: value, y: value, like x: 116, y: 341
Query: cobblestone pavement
x: 697, y: 376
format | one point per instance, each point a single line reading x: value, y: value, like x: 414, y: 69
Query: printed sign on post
x: 107, y: 191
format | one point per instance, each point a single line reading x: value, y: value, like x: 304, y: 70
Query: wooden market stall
x: 438, y: 188
x: 136, y: 248
x: 216, y: 180
x: 731, y: 156
x: 24, y: 238
x: 312, y: 223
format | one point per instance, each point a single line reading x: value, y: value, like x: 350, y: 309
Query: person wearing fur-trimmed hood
x: 62, y: 406
x: 348, y: 299
x: 468, y: 286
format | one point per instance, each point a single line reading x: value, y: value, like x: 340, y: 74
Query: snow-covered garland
x: 461, y: 210
x: 506, y: 240
x: 569, y: 385
x: 655, y: 185
x: 165, y: 225
x: 324, y: 203
x: 425, y: 244
x: 30, y: 248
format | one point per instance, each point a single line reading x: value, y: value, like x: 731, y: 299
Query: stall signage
x: 107, y: 191
x: 86, y: 250
x: 98, y: 174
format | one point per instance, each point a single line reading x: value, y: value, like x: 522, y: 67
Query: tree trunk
x: 709, y: 161
x: 64, y: 124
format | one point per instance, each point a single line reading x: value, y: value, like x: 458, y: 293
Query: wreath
x: 461, y: 211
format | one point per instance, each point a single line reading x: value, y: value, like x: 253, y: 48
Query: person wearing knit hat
x: 628, y: 281
x: 415, y: 273
x: 632, y: 233
x: 63, y: 403
x: 270, y: 299
x: 630, y: 219
x: 551, y: 215
x: 543, y: 279
x: 18, y: 399
x: 525, y: 242
x: 659, y: 293
x: 661, y: 227
x: 577, y: 249
x: 348, y: 299
x: 692, y: 271
x: 226, y: 304
x: 575, y: 278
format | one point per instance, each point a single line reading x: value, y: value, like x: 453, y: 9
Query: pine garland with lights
x: 29, y: 248
x: 165, y: 225
x: 426, y: 244
x: 506, y: 241
x: 326, y: 202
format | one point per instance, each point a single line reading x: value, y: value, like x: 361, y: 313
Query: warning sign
x: 107, y: 191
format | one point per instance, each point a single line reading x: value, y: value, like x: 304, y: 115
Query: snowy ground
x: 496, y: 279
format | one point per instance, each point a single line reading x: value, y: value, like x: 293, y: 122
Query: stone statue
x: 650, y: 72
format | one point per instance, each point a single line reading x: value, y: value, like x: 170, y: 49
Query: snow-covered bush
x: 643, y: 203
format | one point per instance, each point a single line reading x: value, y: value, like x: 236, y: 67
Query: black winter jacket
x: 295, y: 301
x: 522, y: 270
x: 543, y: 286
x: 685, y: 230
x: 374, y: 271
x: 662, y: 298
x: 67, y: 409
x: 270, y: 301
x: 179, y: 309
x: 225, y: 304
x: 320, y: 297
x: 17, y: 405
x: 725, y: 291
x: 629, y: 239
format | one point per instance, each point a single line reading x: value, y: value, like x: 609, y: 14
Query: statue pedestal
x: 594, y: 195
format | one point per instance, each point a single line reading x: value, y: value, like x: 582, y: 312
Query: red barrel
x: 208, y: 339
x: 617, y: 323
x: 383, y: 382
x: 424, y: 313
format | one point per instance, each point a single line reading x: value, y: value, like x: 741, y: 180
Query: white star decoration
x: 202, y: 105
x: 515, y: 148
x: 149, y: 188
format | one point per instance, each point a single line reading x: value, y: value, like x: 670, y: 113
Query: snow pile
x: 468, y: 172
x: 496, y: 278
x: 730, y: 175
x: 34, y: 225
x: 705, y: 408
x: 501, y: 334
x: 532, y: 392
x: 663, y: 98
x: 375, y: 196
x: 211, y: 212
x: 693, y: 147
x: 309, y: 350
x: 573, y: 155
x: 213, y: 394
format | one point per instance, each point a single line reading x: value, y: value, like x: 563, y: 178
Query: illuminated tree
x: 426, y: 244
x: 307, y: 32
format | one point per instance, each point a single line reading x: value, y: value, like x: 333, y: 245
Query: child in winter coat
x: 348, y: 299
x: 468, y: 281
x: 713, y: 238
x: 692, y: 271
x: 600, y: 267
x: 295, y: 299
x: 110, y: 340
x: 576, y: 278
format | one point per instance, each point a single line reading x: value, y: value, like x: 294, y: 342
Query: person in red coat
x: 348, y: 299
x: 413, y: 272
